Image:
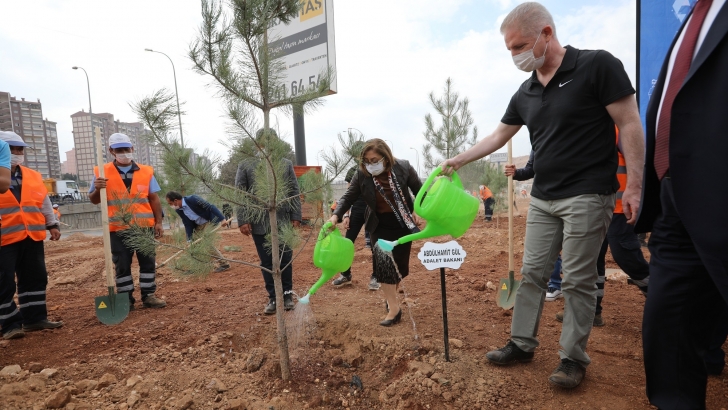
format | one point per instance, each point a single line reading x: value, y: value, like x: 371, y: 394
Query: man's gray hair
x: 530, y: 18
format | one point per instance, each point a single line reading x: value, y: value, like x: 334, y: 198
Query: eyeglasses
x: 373, y: 162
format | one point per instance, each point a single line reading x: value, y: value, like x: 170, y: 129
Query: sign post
x: 442, y: 255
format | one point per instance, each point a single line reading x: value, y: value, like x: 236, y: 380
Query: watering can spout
x: 326, y: 275
x: 431, y: 230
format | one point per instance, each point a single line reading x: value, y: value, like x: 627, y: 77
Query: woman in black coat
x: 387, y: 185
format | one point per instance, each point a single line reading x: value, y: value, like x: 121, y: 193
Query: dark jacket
x: 201, y: 208
x: 362, y: 186
x: 698, y: 151
x: 526, y: 172
x: 245, y: 179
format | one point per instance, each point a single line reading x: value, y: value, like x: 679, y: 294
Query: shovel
x: 113, y: 308
x: 508, y: 287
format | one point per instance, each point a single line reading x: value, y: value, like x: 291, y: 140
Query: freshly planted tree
x: 231, y: 49
x: 453, y: 136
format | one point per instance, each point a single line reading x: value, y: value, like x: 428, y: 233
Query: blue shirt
x: 4, y: 155
x: 153, y: 185
x: 192, y: 215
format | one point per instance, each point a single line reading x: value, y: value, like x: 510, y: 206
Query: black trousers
x: 356, y: 223
x: 488, y: 204
x: 626, y: 251
x: 680, y: 312
x: 266, y: 261
x: 122, y: 256
x: 26, y: 259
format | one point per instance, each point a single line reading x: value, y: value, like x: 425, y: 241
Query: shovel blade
x: 112, y: 309
x: 507, y: 288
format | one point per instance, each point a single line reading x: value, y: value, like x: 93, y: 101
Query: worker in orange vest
x: 27, y: 213
x: 488, y: 201
x: 131, y: 188
x: 56, y: 212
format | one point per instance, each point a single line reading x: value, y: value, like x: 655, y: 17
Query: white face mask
x: 527, y: 62
x: 175, y: 207
x: 16, y: 159
x: 124, y: 159
x: 376, y: 168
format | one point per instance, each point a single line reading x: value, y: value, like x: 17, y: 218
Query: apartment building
x: 25, y: 118
x: 145, y: 150
x: 69, y: 165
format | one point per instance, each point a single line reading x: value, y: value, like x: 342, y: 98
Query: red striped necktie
x: 680, y: 70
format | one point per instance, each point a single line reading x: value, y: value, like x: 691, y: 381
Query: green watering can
x: 446, y: 207
x: 333, y: 253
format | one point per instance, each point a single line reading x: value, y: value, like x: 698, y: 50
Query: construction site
x: 213, y: 348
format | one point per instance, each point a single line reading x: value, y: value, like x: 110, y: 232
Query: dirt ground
x: 212, y: 348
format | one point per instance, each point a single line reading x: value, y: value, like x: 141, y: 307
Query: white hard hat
x: 12, y: 139
x: 55, y: 205
x: 119, y: 140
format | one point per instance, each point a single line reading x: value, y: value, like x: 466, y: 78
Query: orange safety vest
x: 622, y: 178
x: 485, y: 193
x: 57, y: 213
x: 134, y: 201
x: 24, y: 219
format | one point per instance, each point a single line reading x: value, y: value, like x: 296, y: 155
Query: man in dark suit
x: 195, y: 213
x: 687, y: 147
x: 253, y: 169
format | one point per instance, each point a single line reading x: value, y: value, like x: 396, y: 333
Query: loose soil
x: 212, y: 348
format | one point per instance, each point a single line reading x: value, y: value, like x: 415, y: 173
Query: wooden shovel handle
x: 109, y: 264
x: 510, y: 209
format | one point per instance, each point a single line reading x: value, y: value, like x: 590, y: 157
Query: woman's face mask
x: 16, y: 159
x: 375, y: 168
x: 526, y: 61
x: 124, y: 159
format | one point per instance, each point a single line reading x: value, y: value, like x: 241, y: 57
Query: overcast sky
x: 389, y: 56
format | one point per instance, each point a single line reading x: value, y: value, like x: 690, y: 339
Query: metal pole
x: 444, y: 314
x: 90, y: 114
x: 418, y: 160
x: 176, y: 94
x: 299, y: 134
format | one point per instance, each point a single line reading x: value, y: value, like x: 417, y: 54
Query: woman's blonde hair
x: 381, y: 148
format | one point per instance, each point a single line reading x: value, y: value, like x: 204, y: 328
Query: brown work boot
x: 14, y: 333
x: 568, y: 375
x: 42, y: 325
x: 509, y: 354
x: 151, y: 301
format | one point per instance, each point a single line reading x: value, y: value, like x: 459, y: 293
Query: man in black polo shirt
x: 570, y: 105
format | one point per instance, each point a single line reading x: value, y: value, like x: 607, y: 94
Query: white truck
x: 62, y: 190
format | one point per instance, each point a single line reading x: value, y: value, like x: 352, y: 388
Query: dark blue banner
x: 659, y: 22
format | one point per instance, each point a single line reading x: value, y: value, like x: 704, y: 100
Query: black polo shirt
x: 572, y: 134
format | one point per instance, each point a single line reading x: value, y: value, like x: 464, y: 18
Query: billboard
x: 659, y: 21
x: 306, y: 46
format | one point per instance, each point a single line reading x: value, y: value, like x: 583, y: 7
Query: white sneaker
x: 373, y: 284
x: 552, y: 294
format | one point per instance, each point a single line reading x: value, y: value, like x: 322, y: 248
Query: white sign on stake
x: 442, y: 255
x: 498, y: 157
